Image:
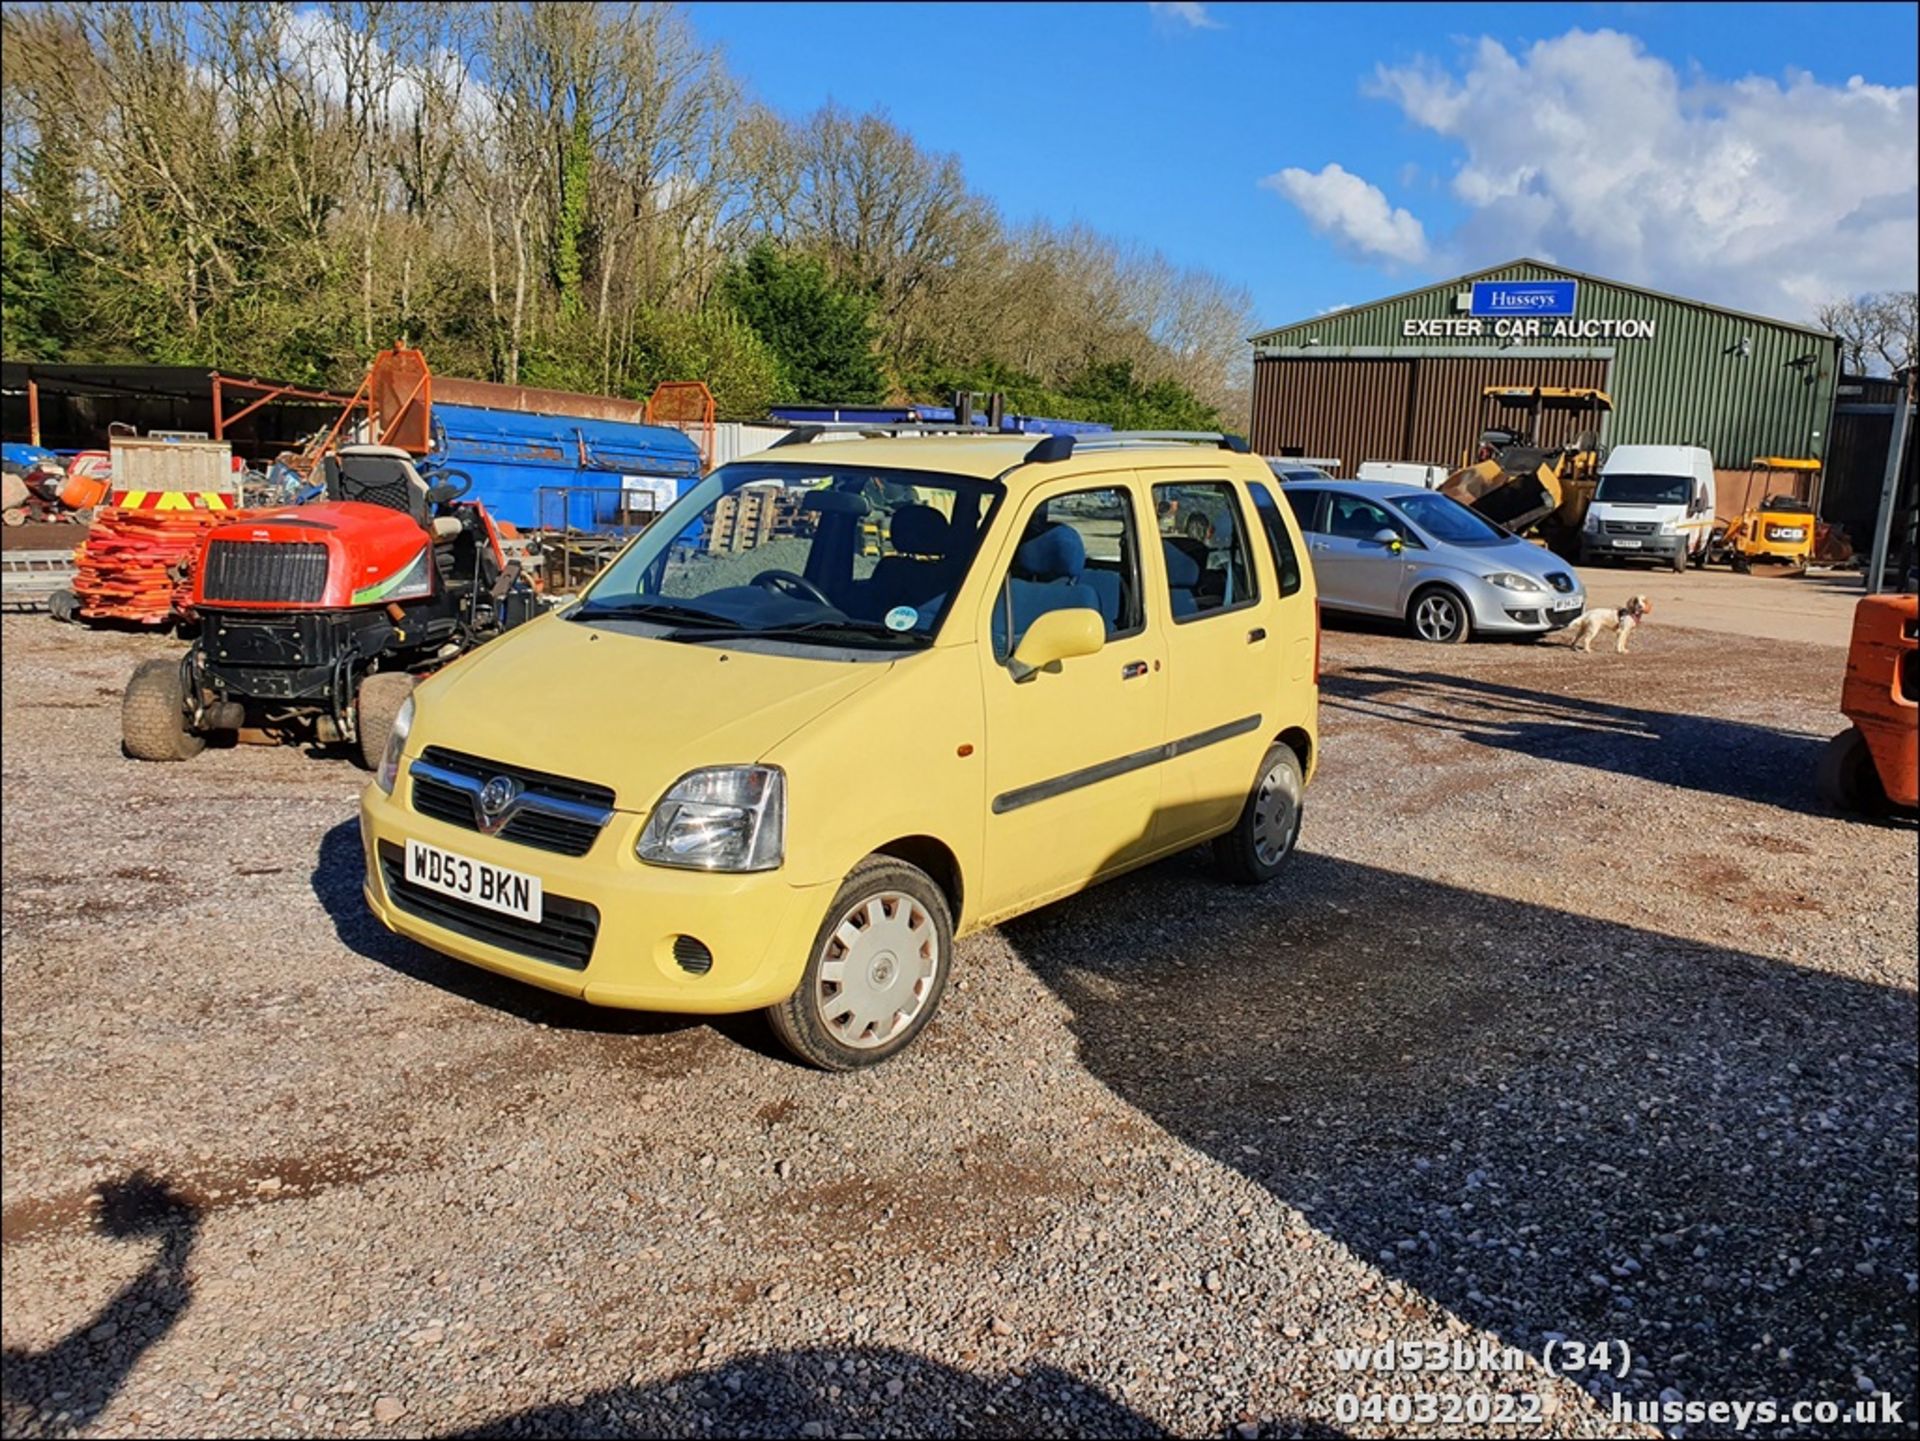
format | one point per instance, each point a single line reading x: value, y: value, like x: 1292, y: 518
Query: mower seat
x: 378, y: 475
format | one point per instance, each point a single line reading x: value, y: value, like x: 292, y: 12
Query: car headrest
x: 1056, y: 553
x: 919, y: 530
x: 1183, y: 571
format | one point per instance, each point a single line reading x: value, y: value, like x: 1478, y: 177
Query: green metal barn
x: 1400, y: 379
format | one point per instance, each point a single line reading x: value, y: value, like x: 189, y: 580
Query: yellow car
x: 765, y: 768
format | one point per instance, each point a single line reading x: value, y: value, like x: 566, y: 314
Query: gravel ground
x: 1577, y: 1017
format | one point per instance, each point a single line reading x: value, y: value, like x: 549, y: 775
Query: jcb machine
x: 1776, y: 520
x: 1872, y: 766
x: 316, y: 620
x: 1536, y: 458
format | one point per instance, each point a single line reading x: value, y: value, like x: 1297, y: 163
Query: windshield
x: 821, y: 554
x: 1643, y: 489
x: 1447, y: 520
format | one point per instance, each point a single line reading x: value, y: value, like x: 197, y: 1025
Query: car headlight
x: 1592, y: 523
x: 730, y: 818
x: 1667, y: 527
x: 389, y: 771
x: 1507, y: 580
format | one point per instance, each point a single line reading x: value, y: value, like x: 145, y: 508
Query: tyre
x: 1679, y: 561
x: 378, y: 701
x: 153, y: 715
x: 1847, y: 777
x: 1263, y: 838
x: 877, y: 972
x: 64, y: 606
x: 1700, y: 558
x: 1440, y: 616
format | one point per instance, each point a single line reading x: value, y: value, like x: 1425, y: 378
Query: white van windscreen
x: 1644, y: 489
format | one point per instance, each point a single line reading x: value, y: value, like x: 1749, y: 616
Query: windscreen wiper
x: 652, y: 610
x: 865, y: 629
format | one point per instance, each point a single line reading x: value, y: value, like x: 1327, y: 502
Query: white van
x: 1403, y: 472
x: 1654, y: 502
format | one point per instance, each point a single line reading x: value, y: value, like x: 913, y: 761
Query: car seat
x: 1046, y: 575
x: 1184, y: 573
x: 920, y: 568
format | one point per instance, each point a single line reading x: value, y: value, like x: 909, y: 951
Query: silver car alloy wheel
x: 1437, y: 617
x: 878, y: 970
x: 1276, y: 815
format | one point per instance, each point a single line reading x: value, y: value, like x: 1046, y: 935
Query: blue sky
x: 1722, y: 151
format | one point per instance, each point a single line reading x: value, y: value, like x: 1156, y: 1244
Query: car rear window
x: 1285, y: 561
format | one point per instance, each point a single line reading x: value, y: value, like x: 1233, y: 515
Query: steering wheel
x: 785, y: 582
x: 443, y: 490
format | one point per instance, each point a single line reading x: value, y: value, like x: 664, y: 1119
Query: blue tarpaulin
x: 553, y: 470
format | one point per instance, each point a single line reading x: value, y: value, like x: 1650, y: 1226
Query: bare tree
x: 1879, y: 333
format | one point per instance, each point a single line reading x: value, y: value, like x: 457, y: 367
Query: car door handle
x: 1133, y: 670
x: 1256, y: 635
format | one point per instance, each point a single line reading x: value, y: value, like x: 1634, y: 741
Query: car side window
x: 1351, y: 518
x: 1305, y: 505
x: 1082, y: 550
x: 1286, y: 563
x: 1203, y: 543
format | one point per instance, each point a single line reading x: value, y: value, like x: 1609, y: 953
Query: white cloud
x: 1353, y: 211
x: 1770, y: 195
x: 1190, y: 13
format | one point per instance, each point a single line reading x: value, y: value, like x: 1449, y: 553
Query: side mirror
x: 1390, y: 539
x: 1055, y: 636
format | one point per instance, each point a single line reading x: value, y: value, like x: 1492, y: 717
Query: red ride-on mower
x: 315, y: 621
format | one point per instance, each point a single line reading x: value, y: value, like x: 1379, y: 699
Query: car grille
x: 554, y: 813
x: 1560, y: 581
x: 279, y: 570
x: 1629, y: 527
x: 564, y: 937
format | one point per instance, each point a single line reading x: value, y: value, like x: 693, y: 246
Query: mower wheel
x: 1847, y: 777
x: 153, y: 715
x: 64, y: 606
x: 378, y: 702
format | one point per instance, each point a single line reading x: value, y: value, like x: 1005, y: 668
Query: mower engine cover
x: 332, y: 556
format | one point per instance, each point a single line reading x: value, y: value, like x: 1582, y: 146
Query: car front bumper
x: 1632, y: 547
x: 1505, y: 612
x: 757, y: 928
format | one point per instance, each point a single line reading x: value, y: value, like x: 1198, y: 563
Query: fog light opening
x: 692, y: 956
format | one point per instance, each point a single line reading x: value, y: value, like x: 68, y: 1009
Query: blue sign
x: 1524, y: 297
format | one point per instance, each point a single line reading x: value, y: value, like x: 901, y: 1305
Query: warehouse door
x: 1344, y: 410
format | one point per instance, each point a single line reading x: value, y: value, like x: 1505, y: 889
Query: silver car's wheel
x: 877, y: 972
x: 1440, y: 616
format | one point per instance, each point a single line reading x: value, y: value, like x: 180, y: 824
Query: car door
x: 1223, y: 662
x: 1355, y: 571
x: 1072, y: 779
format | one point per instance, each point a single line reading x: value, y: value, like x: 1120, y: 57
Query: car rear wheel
x: 1264, y: 837
x: 877, y: 972
x: 153, y: 715
x: 378, y: 702
x: 1440, y: 616
x: 1847, y: 778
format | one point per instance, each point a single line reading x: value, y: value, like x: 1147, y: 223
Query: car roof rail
x: 814, y: 430
x: 1059, y: 447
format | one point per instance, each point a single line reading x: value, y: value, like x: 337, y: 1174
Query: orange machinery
x: 1872, y: 765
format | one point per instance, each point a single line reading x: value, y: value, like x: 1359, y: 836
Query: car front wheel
x: 877, y: 972
x: 1440, y: 616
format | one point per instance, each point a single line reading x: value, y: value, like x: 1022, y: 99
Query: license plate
x: 1626, y: 545
x: 1570, y: 604
x: 512, y: 893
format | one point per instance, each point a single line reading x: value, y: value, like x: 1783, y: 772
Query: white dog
x: 1582, y: 632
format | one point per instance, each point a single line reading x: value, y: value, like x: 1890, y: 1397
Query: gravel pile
x: 1577, y: 1018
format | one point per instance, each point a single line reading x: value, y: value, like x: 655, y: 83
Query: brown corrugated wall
x: 1423, y: 408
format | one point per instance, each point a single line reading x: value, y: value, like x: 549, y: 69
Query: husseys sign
x: 1524, y: 310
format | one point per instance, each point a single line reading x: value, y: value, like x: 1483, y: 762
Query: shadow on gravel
x: 841, y: 1392
x: 64, y: 1388
x: 1698, y: 753
x: 1544, y: 1122
x: 337, y: 876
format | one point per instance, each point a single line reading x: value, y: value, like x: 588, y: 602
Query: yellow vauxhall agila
x: 847, y: 700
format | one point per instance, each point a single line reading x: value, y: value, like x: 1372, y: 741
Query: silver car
x: 1380, y: 548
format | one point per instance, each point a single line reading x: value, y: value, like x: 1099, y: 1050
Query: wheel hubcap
x: 878, y: 971
x: 1435, y: 618
x: 1276, y: 816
